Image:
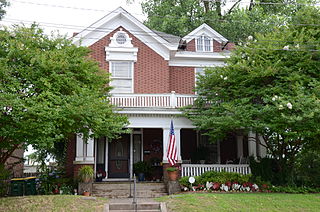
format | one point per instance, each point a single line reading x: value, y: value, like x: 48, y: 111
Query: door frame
x: 130, y: 153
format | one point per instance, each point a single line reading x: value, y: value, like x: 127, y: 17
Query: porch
x: 195, y: 153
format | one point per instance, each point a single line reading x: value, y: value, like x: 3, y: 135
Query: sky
x: 66, y: 16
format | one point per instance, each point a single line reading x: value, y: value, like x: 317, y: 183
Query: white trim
x: 203, y: 36
x: 107, y: 158
x: 204, y: 28
x: 124, y: 78
x: 199, y: 63
x: 131, y: 156
x: 203, y: 55
x: 121, y: 18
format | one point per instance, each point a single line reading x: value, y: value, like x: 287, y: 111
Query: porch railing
x: 198, y: 169
x: 170, y: 100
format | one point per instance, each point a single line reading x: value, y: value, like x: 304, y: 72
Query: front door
x: 119, y: 157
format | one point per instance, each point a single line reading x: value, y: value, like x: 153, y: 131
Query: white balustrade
x: 198, y: 169
x: 152, y: 100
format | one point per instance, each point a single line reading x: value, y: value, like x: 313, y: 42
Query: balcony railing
x: 198, y: 169
x: 172, y: 100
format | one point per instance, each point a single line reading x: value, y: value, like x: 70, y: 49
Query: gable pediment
x: 121, y: 18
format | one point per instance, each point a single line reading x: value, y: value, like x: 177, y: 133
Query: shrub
x: 307, y: 168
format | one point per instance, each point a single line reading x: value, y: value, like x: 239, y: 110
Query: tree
x: 49, y: 89
x: 236, y: 23
x: 3, y: 4
x: 270, y: 85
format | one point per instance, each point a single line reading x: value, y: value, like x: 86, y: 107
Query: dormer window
x: 204, y: 44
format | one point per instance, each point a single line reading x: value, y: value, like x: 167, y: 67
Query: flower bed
x: 223, y: 181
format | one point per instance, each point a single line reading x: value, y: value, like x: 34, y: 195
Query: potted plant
x: 141, y: 169
x: 173, y: 173
x: 86, y: 174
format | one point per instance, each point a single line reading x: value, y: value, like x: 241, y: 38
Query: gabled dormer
x: 205, y: 39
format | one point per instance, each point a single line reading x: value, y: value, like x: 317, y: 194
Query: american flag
x: 172, y: 148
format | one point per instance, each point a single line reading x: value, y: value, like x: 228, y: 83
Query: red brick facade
x: 151, y: 71
x: 182, y: 80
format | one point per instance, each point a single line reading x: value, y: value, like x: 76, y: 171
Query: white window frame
x: 203, y: 39
x: 122, y: 78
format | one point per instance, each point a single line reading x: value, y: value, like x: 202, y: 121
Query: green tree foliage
x: 270, y: 85
x: 3, y: 4
x: 235, y: 23
x: 49, y: 89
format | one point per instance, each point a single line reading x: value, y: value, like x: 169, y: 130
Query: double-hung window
x: 204, y: 44
x: 121, y: 76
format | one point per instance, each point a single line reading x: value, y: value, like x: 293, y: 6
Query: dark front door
x: 119, y: 157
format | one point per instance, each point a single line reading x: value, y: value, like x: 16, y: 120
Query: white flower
x: 273, y: 98
x: 250, y: 37
x: 280, y: 107
x: 221, y: 76
x: 298, y: 46
x: 286, y: 47
x: 225, y: 78
x: 289, y: 105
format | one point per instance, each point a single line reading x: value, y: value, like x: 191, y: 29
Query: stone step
x: 130, y: 206
x: 122, y: 189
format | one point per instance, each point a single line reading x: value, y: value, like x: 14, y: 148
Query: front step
x: 122, y: 189
x: 141, y: 207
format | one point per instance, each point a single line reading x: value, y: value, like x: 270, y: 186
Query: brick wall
x: 182, y: 80
x: 191, y: 45
x: 71, y: 150
x: 151, y: 71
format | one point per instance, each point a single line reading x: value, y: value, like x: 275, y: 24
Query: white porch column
x: 166, y: 132
x: 252, y: 146
x: 240, y: 146
x: 90, y: 150
x: 178, y: 142
x: 79, y: 148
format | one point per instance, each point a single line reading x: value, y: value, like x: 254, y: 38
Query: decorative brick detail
x: 182, y: 80
x: 151, y: 71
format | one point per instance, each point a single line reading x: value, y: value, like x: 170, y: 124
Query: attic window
x: 121, y: 38
x: 204, y: 44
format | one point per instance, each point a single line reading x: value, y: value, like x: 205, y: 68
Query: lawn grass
x: 242, y: 202
x: 51, y: 203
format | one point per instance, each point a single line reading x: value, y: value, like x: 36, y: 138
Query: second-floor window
x: 204, y: 44
x: 121, y: 76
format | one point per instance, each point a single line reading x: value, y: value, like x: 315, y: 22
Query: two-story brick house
x: 153, y: 75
